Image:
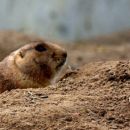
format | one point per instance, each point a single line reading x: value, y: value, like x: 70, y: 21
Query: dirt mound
x: 94, y: 97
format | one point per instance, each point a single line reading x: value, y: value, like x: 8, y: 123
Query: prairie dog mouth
x: 61, y: 63
x: 60, y: 73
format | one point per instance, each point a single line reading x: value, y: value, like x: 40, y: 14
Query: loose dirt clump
x: 93, y: 97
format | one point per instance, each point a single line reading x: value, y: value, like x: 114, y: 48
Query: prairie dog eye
x: 40, y: 48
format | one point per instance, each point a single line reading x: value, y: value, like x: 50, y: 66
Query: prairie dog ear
x: 21, y: 54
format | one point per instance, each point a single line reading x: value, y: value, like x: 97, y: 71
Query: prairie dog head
x: 40, y: 60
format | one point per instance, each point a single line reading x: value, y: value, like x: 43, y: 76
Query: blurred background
x: 96, y: 29
x: 65, y: 20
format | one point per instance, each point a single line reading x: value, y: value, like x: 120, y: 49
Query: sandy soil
x: 94, y: 96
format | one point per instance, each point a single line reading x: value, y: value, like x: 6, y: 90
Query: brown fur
x: 31, y: 66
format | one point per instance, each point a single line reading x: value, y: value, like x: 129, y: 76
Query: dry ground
x: 94, y: 96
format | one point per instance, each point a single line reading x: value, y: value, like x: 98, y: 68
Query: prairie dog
x: 32, y: 66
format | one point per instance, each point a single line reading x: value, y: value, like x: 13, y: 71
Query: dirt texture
x: 94, y: 96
